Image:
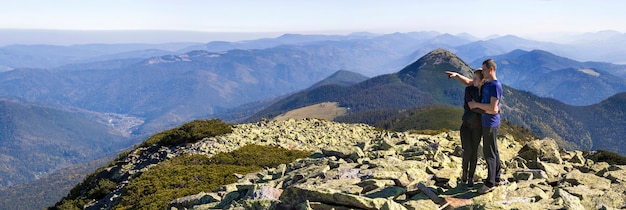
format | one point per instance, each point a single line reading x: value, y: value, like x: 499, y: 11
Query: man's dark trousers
x: 491, y: 154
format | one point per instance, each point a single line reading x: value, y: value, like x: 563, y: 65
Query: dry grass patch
x: 326, y: 110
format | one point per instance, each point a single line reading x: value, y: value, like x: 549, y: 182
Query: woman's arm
x: 462, y: 79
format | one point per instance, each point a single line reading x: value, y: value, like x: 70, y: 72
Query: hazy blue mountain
x: 607, y: 46
x: 451, y: 40
x: 285, y: 39
x: 50, y: 56
x: 567, y: 80
x: 500, y: 45
x: 300, y: 39
x: 341, y: 77
x: 35, y: 140
x: 603, y: 46
x: 395, y: 46
x: 75, y: 37
x: 40, y: 56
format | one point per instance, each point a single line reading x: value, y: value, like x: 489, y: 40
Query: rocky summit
x: 355, y: 166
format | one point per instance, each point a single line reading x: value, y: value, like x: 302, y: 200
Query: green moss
x: 157, y: 187
x: 259, y: 155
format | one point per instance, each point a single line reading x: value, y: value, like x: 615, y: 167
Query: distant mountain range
x: 52, y: 56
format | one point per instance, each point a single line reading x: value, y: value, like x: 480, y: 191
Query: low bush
x: 190, y: 132
x: 609, y: 157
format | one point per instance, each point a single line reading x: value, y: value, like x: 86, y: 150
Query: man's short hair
x: 490, y: 63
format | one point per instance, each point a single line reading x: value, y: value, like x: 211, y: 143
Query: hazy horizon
x: 205, y: 21
x: 77, y: 37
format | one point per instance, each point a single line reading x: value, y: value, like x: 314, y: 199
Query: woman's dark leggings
x: 470, y: 140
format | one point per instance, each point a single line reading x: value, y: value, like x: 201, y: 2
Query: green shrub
x: 609, y: 157
x: 75, y: 199
x: 102, y: 188
x: 190, y: 132
x: 519, y: 133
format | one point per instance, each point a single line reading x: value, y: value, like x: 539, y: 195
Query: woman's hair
x: 479, y: 73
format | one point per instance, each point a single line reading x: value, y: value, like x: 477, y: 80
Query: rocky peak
x: 436, y: 59
x: 356, y: 166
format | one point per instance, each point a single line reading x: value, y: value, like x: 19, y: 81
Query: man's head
x: 489, y: 69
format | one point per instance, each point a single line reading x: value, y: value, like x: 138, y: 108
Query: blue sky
x: 479, y: 18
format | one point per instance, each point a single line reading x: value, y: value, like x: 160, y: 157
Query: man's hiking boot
x: 484, y: 189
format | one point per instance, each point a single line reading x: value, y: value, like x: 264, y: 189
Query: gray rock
x: 188, y: 202
x: 391, y: 192
x: 523, y: 175
x: 569, y: 201
x: 576, y: 177
x: 298, y: 194
x: 616, y: 173
x: 528, y: 174
x: 544, y: 150
x: 267, y: 193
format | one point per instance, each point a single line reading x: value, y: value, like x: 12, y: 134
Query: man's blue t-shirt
x: 491, y: 89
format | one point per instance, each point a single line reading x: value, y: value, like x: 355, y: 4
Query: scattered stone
x: 194, y: 200
x: 544, y: 150
x: 576, y: 177
x: 569, y: 201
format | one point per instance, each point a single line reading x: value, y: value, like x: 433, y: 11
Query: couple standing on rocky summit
x: 481, y: 118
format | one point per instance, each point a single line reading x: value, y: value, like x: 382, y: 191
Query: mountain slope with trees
x: 35, y: 140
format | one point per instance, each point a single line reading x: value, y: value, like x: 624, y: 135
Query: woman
x: 471, y: 129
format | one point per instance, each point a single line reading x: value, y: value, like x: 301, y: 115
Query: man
x: 490, y: 103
